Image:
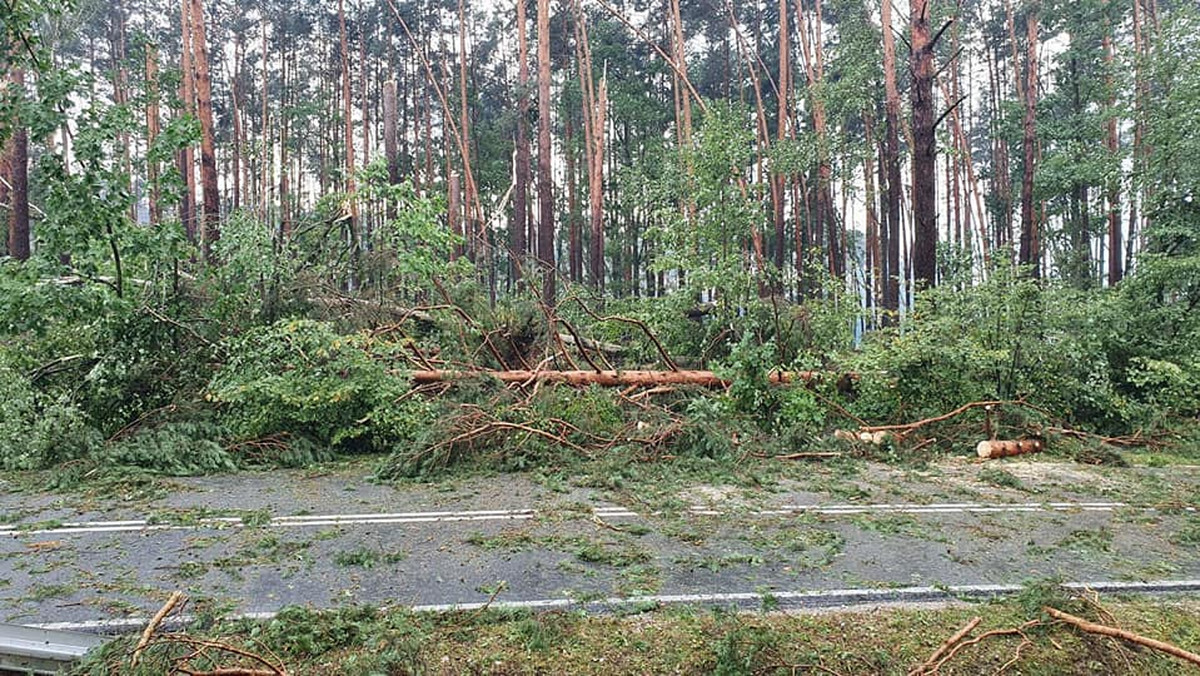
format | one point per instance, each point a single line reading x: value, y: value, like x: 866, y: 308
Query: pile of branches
x: 532, y: 422
x: 177, y: 653
x: 1051, y: 618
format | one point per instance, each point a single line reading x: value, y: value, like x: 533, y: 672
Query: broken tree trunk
x: 611, y: 378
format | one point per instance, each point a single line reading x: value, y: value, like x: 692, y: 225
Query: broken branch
x: 1113, y: 632
x: 175, y: 599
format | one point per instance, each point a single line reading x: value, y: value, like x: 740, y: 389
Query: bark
x: 235, y: 99
x: 265, y: 158
x: 391, y: 149
x: 153, y: 129
x: 348, y: 137
x: 924, y: 121
x: 1029, y: 253
x: 210, y: 229
x: 824, y: 218
x: 1115, y: 267
x: 778, y: 191
x: 285, y: 210
x: 519, y: 223
x: 5, y: 182
x: 574, y: 248
x: 611, y: 378
x: 891, y: 169
x: 187, y: 205
x: 595, y: 104
x: 1002, y: 449
x: 454, y: 213
x: 18, y: 226
x: 475, y: 241
x: 545, y: 183
x: 680, y: 54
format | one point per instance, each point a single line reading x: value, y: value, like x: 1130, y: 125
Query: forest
x: 245, y: 234
x: 601, y: 336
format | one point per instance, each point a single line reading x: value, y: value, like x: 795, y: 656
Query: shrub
x: 300, y: 377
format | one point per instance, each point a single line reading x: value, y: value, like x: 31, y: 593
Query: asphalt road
x: 251, y: 543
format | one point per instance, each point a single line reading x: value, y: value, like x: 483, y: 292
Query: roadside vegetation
x: 1017, y: 635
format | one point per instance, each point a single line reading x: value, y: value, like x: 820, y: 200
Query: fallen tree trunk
x: 610, y: 378
x: 1004, y: 448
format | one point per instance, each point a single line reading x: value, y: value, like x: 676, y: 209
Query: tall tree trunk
x: 390, y: 147
x: 210, y: 231
x: 595, y: 105
x: 264, y: 135
x: 574, y: 246
x: 236, y: 114
x: 152, y: 129
x: 18, y: 225
x: 454, y: 212
x: 348, y: 139
x: 187, y: 205
x: 520, y: 212
x: 545, y: 183
x: 891, y: 169
x: 924, y: 150
x: 824, y: 218
x: 475, y: 241
x: 1030, y: 253
x: 778, y: 189
x: 1139, y: 117
x: 285, y: 206
x: 5, y: 183
x: 1111, y: 142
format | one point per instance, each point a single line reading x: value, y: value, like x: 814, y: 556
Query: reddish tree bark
x: 186, y: 159
x: 18, y: 225
x: 520, y: 213
x: 1115, y: 267
x: 924, y: 150
x: 892, y: 187
x: 211, y: 228
x: 545, y: 251
x: 1030, y: 249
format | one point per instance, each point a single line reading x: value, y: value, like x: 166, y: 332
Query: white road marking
x: 399, y: 518
x: 788, y: 600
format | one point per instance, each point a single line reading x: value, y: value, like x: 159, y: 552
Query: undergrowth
x: 357, y: 641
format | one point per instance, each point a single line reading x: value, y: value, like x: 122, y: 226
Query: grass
x: 357, y: 641
x: 364, y: 557
x: 1189, y: 534
x: 1001, y: 478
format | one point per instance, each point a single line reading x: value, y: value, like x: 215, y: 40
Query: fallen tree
x: 611, y: 378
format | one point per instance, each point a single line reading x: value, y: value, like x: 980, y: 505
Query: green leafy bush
x: 300, y: 377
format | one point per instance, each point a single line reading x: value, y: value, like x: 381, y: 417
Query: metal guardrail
x: 30, y: 650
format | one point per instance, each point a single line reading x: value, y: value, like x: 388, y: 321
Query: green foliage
x: 300, y: 377
x: 37, y: 431
x: 1007, y: 338
x: 173, y: 449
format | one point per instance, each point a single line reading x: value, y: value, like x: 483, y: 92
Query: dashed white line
x: 607, y: 512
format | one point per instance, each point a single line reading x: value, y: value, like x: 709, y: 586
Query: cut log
x: 876, y: 438
x: 1002, y: 449
x: 610, y: 378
